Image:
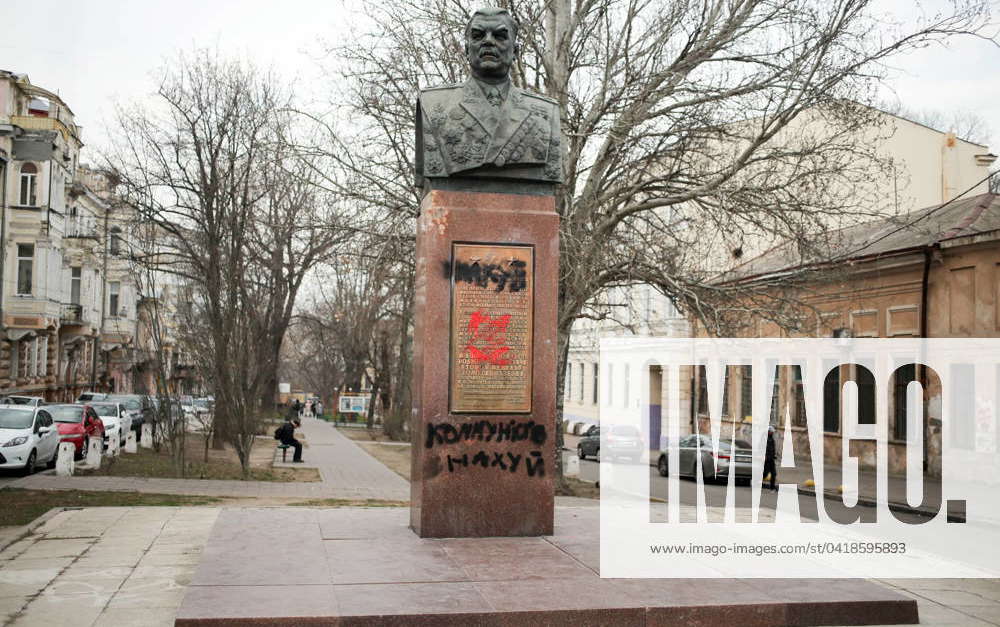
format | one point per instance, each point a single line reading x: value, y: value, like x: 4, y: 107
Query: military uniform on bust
x: 477, y: 129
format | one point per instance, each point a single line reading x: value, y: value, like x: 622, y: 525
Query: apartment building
x: 67, y: 304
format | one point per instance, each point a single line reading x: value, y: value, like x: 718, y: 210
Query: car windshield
x: 105, y: 409
x: 728, y: 446
x: 625, y: 430
x: 66, y: 413
x: 129, y: 403
x: 201, y: 403
x: 15, y: 418
x: 20, y: 400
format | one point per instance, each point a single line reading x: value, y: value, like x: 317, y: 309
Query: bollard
x: 573, y: 465
x: 146, y: 441
x: 65, y: 462
x: 113, y: 446
x: 130, y: 446
x: 94, y: 454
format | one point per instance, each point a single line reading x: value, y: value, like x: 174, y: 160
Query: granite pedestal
x: 355, y: 566
x: 484, y: 365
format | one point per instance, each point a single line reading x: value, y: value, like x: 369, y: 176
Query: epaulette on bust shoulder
x: 442, y: 87
x: 533, y: 94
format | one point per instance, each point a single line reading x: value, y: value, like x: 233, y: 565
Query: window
x: 116, y: 241
x: 746, y: 392
x: 114, y: 289
x: 900, y: 380
x: 76, y: 276
x: 43, y: 357
x: 866, y: 395
x: 29, y: 177
x: 25, y: 263
x: 596, y: 384
x: 702, y: 407
x: 15, y: 354
x: 611, y: 384
x: 625, y: 399
x: 568, y: 393
x: 583, y: 369
x: 831, y: 400
x: 33, y: 358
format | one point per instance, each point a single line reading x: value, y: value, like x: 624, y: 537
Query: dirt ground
x: 395, y: 456
x: 221, y: 464
x: 360, y: 434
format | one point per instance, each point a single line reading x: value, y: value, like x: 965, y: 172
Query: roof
x: 930, y: 226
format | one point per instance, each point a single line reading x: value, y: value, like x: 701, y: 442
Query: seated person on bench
x: 286, y: 433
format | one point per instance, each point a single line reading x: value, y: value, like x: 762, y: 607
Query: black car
x: 590, y: 443
x: 139, y: 406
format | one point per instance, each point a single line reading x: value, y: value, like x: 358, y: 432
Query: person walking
x: 770, y: 468
x: 297, y: 406
x: 319, y: 409
x: 286, y: 433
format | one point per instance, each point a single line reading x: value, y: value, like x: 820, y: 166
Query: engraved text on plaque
x: 491, y: 318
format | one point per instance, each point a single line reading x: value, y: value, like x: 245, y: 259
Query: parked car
x: 203, y: 406
x: 27, y: 438
x: 590, y: 443
x: 86, y: 397
x: 78, y: 424
x: 117, y: 421
x: 139, y: 407
x: 738, y: 461
x: 625, y: 441
x: 32, y: 401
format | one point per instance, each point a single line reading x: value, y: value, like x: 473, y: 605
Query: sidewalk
x: 347, y: 472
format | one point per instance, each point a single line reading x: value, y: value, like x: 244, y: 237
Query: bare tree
x: 211, y: 164
x: 737, y: 119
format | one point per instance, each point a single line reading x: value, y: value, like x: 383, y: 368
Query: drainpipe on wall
x: 3, y: 231
x: 922, y: 376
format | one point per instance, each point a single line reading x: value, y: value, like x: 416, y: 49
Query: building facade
x: 69, y: 301
x: 926, y: 167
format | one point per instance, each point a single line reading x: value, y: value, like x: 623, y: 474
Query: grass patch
x: 22, y: 506
x: 361, y: 434
x: 220, y: 464
x: 349, y: 503
x: 582, y: 489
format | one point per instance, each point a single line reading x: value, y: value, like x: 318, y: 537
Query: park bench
x: 284, y: 451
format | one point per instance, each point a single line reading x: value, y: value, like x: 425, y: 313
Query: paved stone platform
x: 364, y: 566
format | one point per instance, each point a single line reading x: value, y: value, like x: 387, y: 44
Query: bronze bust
x: 487, y: 127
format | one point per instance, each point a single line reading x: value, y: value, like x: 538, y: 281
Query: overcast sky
x: 94, y: 52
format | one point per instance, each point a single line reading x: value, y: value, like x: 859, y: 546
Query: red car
x: 78, y: 424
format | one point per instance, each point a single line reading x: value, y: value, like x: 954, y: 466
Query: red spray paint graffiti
x: 487, y: 339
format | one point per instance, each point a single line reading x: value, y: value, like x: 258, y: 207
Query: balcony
x: 72, y: 314
x: 81, y: 227
x: 35, y: 123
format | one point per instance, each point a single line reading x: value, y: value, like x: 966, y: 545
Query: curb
x: 901, y: 508
x: 28, y: 529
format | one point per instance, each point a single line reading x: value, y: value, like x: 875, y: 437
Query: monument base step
x: 364, y: 566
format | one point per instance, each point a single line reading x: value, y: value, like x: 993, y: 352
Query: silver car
x: 738, y: 461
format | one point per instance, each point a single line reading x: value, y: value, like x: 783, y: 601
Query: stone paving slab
x: 102, y: 566
x: 363, y: 566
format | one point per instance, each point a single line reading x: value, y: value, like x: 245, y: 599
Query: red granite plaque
x: 491, y: 316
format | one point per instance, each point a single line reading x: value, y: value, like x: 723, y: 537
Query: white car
x: 27, y: 438
x: 117, y: 421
